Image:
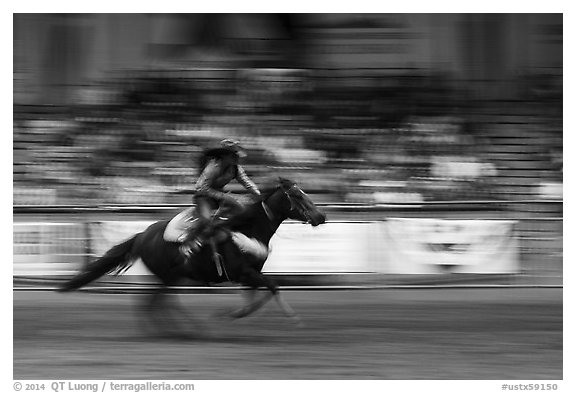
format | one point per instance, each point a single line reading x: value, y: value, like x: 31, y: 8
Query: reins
x: 268, y: 212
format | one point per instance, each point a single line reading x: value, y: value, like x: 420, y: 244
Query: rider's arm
x: 204, y: 183
x: 243, y: 179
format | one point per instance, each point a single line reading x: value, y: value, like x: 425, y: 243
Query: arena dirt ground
x: 450, y: 334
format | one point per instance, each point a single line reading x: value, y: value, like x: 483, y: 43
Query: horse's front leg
x: 287, y: 309
x: 256, y: 303
x: 252, y: 306
x: 256, y: 279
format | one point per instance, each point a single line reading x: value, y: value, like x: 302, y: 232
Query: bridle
x: 294, y: 205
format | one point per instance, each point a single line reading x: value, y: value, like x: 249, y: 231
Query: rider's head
x: 233, y: 146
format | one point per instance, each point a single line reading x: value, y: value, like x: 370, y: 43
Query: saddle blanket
x: 183, y: 223
x: 250, y: 245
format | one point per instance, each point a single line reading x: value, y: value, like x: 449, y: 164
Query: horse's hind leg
x: 158, y: 318
x: 183, y: 316
x: 151, y: 311
x: 167, y: 317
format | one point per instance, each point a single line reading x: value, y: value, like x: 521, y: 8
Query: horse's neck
x: 274, y: 225
x: 258, y: 221
x: 274, y: 214
x: 271, y: 224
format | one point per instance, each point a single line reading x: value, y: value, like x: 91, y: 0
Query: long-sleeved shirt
x: 214, y: 177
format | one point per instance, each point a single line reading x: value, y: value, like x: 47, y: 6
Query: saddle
x: 186, y: 222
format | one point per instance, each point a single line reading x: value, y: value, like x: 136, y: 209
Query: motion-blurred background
x: 358, y: 108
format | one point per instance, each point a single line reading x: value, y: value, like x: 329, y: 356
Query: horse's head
x: 290, y: 201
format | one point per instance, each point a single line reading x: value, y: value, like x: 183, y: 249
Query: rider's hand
x: 257, y: 197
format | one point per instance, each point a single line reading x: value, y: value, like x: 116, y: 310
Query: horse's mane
x: 267, y: 189
x: 271, y: 186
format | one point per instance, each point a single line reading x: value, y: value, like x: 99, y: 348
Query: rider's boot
x: 204, y: 234
x: 190, y: 247
x: 196, y: 239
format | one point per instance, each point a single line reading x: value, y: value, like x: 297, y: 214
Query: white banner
x: 330, y: 248
x: 430, y: 246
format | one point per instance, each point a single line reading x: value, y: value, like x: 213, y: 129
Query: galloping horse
x: 259, y: 221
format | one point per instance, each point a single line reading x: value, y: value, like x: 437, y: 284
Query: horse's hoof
x: 225, y: 314
x: 206, y: 335
x: 64, y: 288
x: 298, y: 322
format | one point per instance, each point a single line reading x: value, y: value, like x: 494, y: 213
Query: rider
x: 218, y: 167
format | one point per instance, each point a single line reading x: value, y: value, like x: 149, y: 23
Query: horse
x: 258, y: 222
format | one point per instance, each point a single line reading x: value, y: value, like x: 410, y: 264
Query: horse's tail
x: 117, y: 259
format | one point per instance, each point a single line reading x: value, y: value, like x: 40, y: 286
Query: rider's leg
x: 209, y: 223
x: 217, y: 221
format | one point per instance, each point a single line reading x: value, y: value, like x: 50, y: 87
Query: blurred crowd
x: 136, y: 139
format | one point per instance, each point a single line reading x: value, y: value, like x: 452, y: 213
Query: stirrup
x: 190, y: 249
